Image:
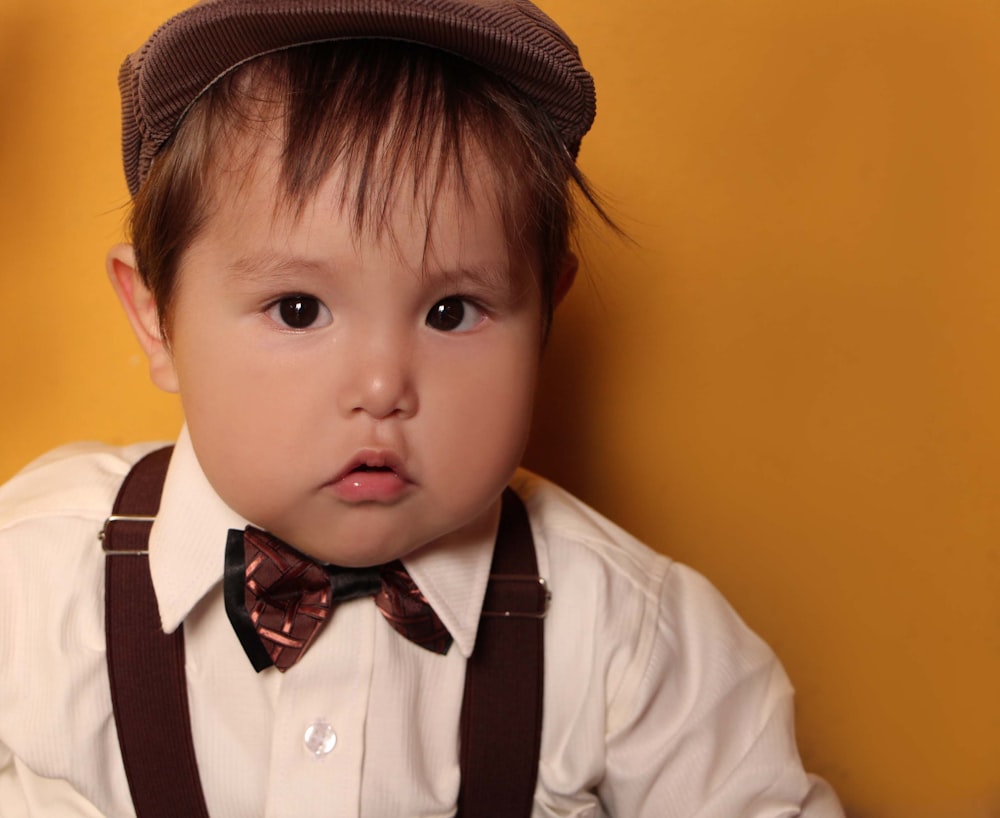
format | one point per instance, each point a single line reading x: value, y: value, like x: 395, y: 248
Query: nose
x: 380, y: 379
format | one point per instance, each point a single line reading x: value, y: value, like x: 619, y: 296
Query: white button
x: 320, y: 738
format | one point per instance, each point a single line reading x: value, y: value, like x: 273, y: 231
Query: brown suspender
x: 146, y: 666
x: 501, y: 720
x: 501, y: 723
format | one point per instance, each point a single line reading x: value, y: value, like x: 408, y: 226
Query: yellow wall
x: 788, y: 381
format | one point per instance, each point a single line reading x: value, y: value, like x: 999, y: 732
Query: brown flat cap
x: 187, y: 54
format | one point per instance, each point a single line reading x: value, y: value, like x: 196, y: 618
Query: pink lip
x: 372, y: 476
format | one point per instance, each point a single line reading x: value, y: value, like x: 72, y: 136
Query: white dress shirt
x: 658, y: 700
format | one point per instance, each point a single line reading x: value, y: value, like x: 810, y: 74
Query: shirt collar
x: 188, y: 542
x: 452, y: 574
x: 187, y: 545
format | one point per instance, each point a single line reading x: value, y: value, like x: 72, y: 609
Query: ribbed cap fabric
x: 187, y: 54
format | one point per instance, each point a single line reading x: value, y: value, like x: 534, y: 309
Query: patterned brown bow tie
x: 278, y: 599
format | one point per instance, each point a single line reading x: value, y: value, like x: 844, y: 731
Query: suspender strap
x: 501, y: 720
x: 146, y: 667
x: 501, y: 724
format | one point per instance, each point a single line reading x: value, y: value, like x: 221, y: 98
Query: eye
x: 299, y: 312
x: 454, y: 314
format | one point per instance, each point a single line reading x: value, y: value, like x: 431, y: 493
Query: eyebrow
x: 488, y: 277
x: 267, y: 268
x: 273, y: 269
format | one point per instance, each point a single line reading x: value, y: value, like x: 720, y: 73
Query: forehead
x: 445, y: 218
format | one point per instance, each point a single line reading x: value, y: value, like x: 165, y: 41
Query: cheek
x: 487, y: 407
x: 231, y: 404
x: 246, y: 444
x: 224, y: 376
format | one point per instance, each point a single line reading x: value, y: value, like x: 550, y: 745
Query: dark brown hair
x: 391, y: 115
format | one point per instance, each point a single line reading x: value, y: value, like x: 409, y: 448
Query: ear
x: 140, y: 308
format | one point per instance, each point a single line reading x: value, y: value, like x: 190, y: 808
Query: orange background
x: 787, y: 381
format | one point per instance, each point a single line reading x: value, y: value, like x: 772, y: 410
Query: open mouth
x: 373, y: 476
x: 375, y: 462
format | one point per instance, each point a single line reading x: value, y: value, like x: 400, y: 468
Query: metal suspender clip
x: 506, y: 613
x: 121, y: 518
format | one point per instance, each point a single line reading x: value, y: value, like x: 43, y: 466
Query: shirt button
x: 320, y: 738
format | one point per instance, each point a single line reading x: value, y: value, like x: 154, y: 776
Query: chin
x: 362, y: 554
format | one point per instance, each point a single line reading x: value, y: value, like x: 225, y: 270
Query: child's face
x: 359, y: 397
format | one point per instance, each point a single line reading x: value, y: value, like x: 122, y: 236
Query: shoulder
x: 571, y: 531
x: 51, y: 515
x: 78, y: 481
x: 579, y: 546
x: 567, y: 528
x: 651, y: 618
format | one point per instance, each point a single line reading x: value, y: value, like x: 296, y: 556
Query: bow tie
x: 278, y: 599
